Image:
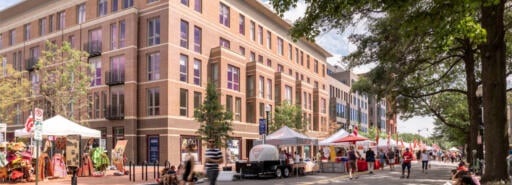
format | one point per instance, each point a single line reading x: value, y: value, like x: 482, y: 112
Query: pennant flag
x: 355, y: 130
x: 29, y: 123
x: 389, y: 139
x: 402, y: 142
x: 415, y: 142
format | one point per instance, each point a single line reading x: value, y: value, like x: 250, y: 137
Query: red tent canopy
x: 350, y: 138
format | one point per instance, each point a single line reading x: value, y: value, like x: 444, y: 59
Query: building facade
x: 154, y: 58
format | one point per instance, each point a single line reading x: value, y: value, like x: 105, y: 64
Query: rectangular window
x: 288, y: 93
x: 113, y: 36
x: 260, y: 59
x: 42, y: 26
x: 95, y: 64
x: 96, y: 105
x: 127, y: 4
x: 19, y: 61
x: 305, y: 104
x: 233, y: 78
x: 61, y: 20
x: 81, y: 13
x: 224, y: 15
x: 117, y: 67
x: 122, y: 34
x: 224, y: 43
x: 12, y: 37
x: 242, y: 51
x: 269, y: 62
x: 261, y: 87
x: 241, y: 24
x: 280, y: 46
x: 323, y: 104
x: 297, y: 55
x: 153, y: 101
x: 71, y: 40
x: 198, y: 5
x: 280, y: 68
x: 90, y: 106
x: 260, y: 35
x: 197, y: 39
x: 102, y: 8
x: 150, y: 1
x: 197, y: 72
x: 153, y: 31
x: 229, y: 103
x: 50, y: 24
x: 315, y: 66
x: 301, y: 58
x: 184, y: 68
x: 26, y: 28
x: 309, y: 101
x: 238, y: 109
x: 269, y: 89
x: 1, y: 41
x: 307, y: 61
x: 184, y: 34
x: 184, y: 2
x: 215, y: 74
x: 183, y: 102
x: 114, y: 5
x: 197, y: 100
x: 290, y: 52
x: 250, y: 86
x: 153, y: 66
x: 252, y: 57
x: 269, y: 40
x: 252, y: 30
x: 262, y: 110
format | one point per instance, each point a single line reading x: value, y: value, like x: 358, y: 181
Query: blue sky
x: 338, y: 45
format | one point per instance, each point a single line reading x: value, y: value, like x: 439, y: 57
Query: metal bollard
x: 157, y: 169
x: 130, y: 169
x: 133, y: 171
x: 154, y: 170
x: 146, y: 166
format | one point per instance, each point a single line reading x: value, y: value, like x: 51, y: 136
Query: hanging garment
x: 87, y: 168
x: 45, y: 166
x: 59, y: 167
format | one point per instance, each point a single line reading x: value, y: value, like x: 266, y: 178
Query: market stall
x: 61, y: 141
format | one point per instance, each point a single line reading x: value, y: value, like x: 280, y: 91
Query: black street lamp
x: 267, y: 111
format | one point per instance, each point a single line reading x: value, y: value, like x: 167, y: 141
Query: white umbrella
x: 453, y: 149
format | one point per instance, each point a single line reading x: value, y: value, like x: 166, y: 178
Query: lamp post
x: 267, y: 111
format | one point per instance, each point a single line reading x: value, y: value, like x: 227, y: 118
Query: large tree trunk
x: 473, y: 104
x: 494, y: 87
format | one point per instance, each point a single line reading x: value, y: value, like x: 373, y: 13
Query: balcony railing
x: 115, y: 112
x: 93, y: 48
x: 115, y: 77
x: 31, y: 63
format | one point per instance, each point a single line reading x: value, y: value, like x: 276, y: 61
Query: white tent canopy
x: 287, y: 136
x: 338, y: 135
x: 60, y: 126
x: 383, y: 143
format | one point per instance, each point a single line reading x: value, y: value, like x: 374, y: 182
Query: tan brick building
x: 154, y: 58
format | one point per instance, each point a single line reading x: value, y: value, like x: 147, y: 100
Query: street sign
x: 3, y: 127
x: 263, y: 126
x: 38, y: 114
x: 38, y: 131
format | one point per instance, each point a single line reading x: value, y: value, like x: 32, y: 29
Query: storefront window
x: 185, y: 140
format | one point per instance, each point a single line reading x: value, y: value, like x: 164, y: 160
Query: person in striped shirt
x: 213, y: 159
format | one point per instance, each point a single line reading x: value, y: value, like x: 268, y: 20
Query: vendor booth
x: 61, y: 149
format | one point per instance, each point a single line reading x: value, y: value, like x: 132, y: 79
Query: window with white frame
x: 224, y: 15
x: 61, y: 20
x: 122, y: 34
x: 269, y: 40
x: 153, y: 31
x: 197, y: 39
x: 153, y: 66
x: 252, y: 30
x: 260, y: 35
x: 238, y: 109
x: 102, y: 8
x: 269, y: 89
x: 241, y: 24
x: 261, y: 87
x: 153, y: 101
x: 95, y: 64
x: 233, y: 81
x: 42, y: 26
x: 183, y: 102
x: 288, y: 93
x: 197, y: 72
x: 184, y: 68
x: 113, y: 36
x: 184, y: 34
x: 26, y: 35
x: 80, y: 13
x: 280, y: 46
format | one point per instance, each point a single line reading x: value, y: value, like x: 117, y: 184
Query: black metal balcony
x: 31, y: 63
x: 114, y: 77
x: 115, y: 112
x: 93, y: 48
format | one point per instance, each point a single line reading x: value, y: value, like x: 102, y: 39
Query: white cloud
x: 8, y: 3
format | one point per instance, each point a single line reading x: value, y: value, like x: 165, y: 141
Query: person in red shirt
x: 407, y: 157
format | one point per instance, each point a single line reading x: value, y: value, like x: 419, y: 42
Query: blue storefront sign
x: 263, y: 126
x: 153, y: 148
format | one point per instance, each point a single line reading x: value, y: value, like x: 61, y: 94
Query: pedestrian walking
x: 370, y: 159
x: 188, y: 173
x: 509, y: 164
x: 213, y: 159
x: 382, y: 159
x: 352, y: 158
x: 424, y: 161
x: 406, y: 163
x: 391, y: 159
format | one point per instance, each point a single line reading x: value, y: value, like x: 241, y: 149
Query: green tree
x: 289, y: 115
x: 215, y: 122
x: 14, y: 88
x: 448, y: 21
x: 64, y: 78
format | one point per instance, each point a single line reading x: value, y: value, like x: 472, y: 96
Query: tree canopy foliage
x: 14, y: 88
x: 289, y: 115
